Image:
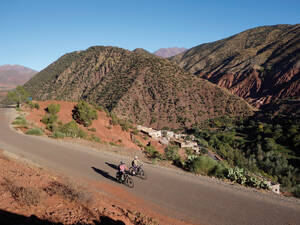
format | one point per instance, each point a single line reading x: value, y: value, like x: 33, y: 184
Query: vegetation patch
x: 20, y: 121
x: 24, y: 195
x: 35, y: 131
x: 83, y: 114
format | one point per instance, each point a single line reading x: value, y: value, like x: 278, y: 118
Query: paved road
x: 200, y: 199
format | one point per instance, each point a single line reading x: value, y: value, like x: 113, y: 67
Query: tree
x: 18, y: 96
x: 83, y: 114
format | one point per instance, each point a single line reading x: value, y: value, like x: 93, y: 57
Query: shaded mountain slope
x: 260, y: 64
x: 147, y: 89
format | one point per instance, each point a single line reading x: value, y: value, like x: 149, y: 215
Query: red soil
x: 104, y: 130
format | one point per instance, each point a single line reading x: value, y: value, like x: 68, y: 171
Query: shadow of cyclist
x: 104, y: 174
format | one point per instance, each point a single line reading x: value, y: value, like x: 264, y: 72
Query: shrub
x: 92, y: 129
x: 135, y: 131
x: 171, y: 152
x: 296, y: 191
x: 49, y: 119
x: 70, y: 129
x: 100, y: 108
x: 58, y: 134
x: 30, y: 104
x: 53, y: 108
x: 207, y: 166
x: 82, y: 133
x: 24, y: 195
x: 20, y: 121
x: 151, y: 152
x: 83, y: 114
x: 114, y: 119
x: 36, y: 105
x: 113, y: 144
x: 66, y: 191
x: 52, y: 127
x: 125, y: 125
x: 95, y: 138
x: 35, y: 131
x: 33, y: 105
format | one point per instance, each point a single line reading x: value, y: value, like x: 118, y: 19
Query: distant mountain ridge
x: 260, y: 64
x: 169, y: 52
x: 13, y: 75
x: 142, y: 87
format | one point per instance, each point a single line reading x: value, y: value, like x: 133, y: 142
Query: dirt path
x: 200, y: 199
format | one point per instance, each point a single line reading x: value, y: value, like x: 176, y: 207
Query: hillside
x: 169, y: 52
x: 259, y: 65
x: 13, y: 75
x: 144, y: 88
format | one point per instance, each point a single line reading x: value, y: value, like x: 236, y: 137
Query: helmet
x: 136, y: 157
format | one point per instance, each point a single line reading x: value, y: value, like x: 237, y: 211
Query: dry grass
x: 24, y: 195
x: 68, y: 192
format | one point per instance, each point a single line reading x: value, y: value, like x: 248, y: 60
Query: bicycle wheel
x: 142, y: 174
x: 129, y: 182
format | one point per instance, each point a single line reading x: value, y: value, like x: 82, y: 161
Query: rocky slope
x: 147, y: 89
x: 13, y: 75
x: 260, y: 64
x: 168, y: 52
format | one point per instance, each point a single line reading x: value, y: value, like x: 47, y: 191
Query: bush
x: 68, y: 192
x: 92, y: 129
x: 99, y: 108
x: 152, y: 153
x: 53, y: 108
x: 135, y: 131
x: 207, y: 166
x: 82, y: 133
x: 35, y: 131
x: 70, y: 129
x: 58, y: 134
x: 24, y: 195
x: 52, y: 127
x: 95, y: 138
x: 114, y: 119
x: 20, y: 121
x: 83, y: 114
x: 36, y: 105
x: 171, y: 152
x: 125, y: 125
x: 296, y: 191
x: 49, y: 119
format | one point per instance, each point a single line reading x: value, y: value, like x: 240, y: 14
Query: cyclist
x: 136, y: 163
x: 122, y: 168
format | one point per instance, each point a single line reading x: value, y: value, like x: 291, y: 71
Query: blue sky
x: 36, y: 33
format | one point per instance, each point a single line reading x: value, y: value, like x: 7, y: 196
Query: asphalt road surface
x: 202, y: 200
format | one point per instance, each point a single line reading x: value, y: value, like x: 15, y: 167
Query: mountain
x: 141, y: 51
x: 260, y: 65
x: 168, y: 52
x: 145, y: 88
x: 14, y: 75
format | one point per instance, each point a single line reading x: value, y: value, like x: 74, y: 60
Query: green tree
x: 83, y: 114
x: 53, y: 108
x: 18, y: 96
